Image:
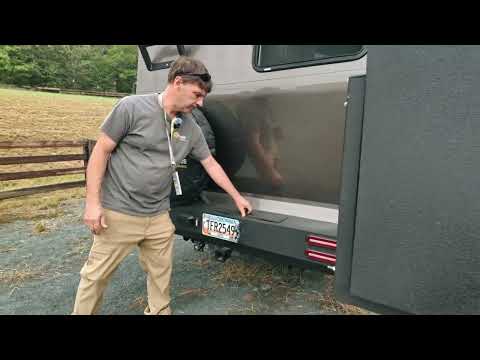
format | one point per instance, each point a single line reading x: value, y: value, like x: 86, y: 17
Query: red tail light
x: 323, y: 242
x: 321, y: 257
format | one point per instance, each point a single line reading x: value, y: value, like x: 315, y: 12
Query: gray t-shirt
x: 138, y: 178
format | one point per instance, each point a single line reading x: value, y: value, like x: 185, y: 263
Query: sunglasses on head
x: 205, y: 76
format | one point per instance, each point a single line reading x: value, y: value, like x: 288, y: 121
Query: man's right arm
x: 97, y: 164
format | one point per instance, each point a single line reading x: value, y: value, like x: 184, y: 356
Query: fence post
x: 87, y: 151
x: 91, y: 144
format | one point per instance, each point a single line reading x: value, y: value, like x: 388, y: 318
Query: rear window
x: 281, y: 57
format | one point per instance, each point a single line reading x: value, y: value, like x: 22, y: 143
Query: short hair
x: 184, y: 66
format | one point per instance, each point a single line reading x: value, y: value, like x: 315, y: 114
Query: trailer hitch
x: 198, y: 245
x: 222, y: 254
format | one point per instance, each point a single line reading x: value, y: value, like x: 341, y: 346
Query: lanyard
x: 175, y: 177
x: 170, y: 150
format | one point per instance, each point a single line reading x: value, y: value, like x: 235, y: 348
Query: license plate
x: 220, y: 227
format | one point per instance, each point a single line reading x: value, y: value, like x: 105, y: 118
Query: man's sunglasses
x: 205, y: 77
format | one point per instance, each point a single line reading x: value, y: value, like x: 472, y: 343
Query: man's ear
x: 177, y: 81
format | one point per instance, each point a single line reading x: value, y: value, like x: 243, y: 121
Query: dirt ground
x: 40, y: 262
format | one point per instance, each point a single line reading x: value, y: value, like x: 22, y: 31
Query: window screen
x: 277, y: 57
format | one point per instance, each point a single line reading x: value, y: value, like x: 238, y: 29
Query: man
x: 129, y: 178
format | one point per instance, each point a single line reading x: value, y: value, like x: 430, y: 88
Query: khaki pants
x: 154, y: 235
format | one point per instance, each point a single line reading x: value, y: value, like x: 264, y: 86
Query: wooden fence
x: 86, y: 147
x: 78, y: 92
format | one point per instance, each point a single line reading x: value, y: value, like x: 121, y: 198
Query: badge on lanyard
x: 176, y: 183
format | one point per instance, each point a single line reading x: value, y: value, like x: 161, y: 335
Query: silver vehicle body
x: 306, y: 103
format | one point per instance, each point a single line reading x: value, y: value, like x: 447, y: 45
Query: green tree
x: 22, y: 69
x: 123, y: 60
x: 86, y: 67
x: 4, y: 64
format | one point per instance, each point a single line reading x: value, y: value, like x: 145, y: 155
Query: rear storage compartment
x: 289, y: 238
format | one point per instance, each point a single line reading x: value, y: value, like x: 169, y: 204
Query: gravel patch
x: 40, y: 262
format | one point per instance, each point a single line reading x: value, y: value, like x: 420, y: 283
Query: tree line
x: 83, y: 67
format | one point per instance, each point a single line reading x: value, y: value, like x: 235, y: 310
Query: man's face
x: 188, y: 95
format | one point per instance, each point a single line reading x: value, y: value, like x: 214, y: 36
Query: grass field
x: 27, y: 116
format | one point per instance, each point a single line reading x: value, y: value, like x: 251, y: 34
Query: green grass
x: 60, y: 97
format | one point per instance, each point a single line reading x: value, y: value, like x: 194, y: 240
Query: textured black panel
x: 348, y: 195
x: 417, y: 230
